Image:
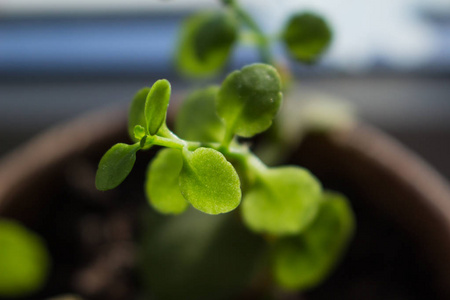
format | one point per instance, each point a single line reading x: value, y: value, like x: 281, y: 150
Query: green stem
x: 164, y: 131
x: 228, y: 137
x: 263, y: 41
x: 165, y: 142
x: 254, y: 164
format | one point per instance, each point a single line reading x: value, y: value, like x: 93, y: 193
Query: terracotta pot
x: 402, y: 205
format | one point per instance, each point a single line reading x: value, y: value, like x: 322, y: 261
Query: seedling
x: 209, y: 169
x: 205, y: 165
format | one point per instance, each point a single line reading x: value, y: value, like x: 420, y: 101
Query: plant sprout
x: 206, y: 167
x: 285, y: 215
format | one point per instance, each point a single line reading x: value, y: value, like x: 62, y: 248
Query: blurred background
x: 390, y: 59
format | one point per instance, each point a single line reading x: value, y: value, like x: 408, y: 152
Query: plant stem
x: 162, y: 141
x: 241, y: 154
x: 229, y: 134
x: 164, y: 131
x: 255, y: 164
x: 263, y: 42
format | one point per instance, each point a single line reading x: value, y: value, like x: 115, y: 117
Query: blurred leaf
x: 306, y: 36
x: 304, y: 261
x: 209, y: 182
x: 156, y: 105
x: 115, y: 166
x: 161, y: 186
x: 136, y: 112
x: 216, y: 33
x: 206, y: 41
x: 282, y: 201
x: 196, y: 256
x: 197, y: 118
x: 249, y: 99
x: 24, y: 260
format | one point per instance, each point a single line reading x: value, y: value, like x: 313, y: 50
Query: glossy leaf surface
x: 24, y: 260
x: 304, y: 261
x: 249, y: 99
x: 156, y: 105
x: 283, y: 202
x: 136, y: 114
x: 161, y: 186
x: 115, y: 166
x: 209, y: 182
x: 206, y: 43
x: 306, y: 36
x: 195, y: 256
x: 197, y: 118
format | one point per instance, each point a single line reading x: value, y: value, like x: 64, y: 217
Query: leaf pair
x: 203, y: 177
x: 146, y: 115
x: 205, y: 43
x: 304, y: 261
x: 282, y: 201
x: 148, y: 109
x: 245, y: 103
x: 207, y: 39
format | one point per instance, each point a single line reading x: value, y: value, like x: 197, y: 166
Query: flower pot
x: 401, y: 247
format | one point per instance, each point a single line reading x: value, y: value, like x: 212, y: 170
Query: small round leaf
x: 304, y: 261
x: 306, y: 36
x: 283, y: 201
x: 115, y: 166
x: 249, y: 99
x: 136, y: 112
x: 197, y: 118
x: 206, y: 41
x: 24, y: 260
x: 161, y: 185
x: 156, y: 105
x: 139, y: 132
x: 209, y: 182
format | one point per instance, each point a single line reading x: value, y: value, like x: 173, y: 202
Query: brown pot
x: 401, y: 248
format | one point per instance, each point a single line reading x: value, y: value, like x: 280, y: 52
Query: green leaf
x: 139, y: 132
x: 156, y: 105
x: 304, y: 261
x: 24, y: 260
x: 209, y: 182
x: 197, y: 119
x: 282, y: 201
x: 306, y: 36
x: 136, y: 112
x: 206, y: 41
x: 115, y: 166
x: 161, y: 186
x: 249, y: 99
x: 197, y: 256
